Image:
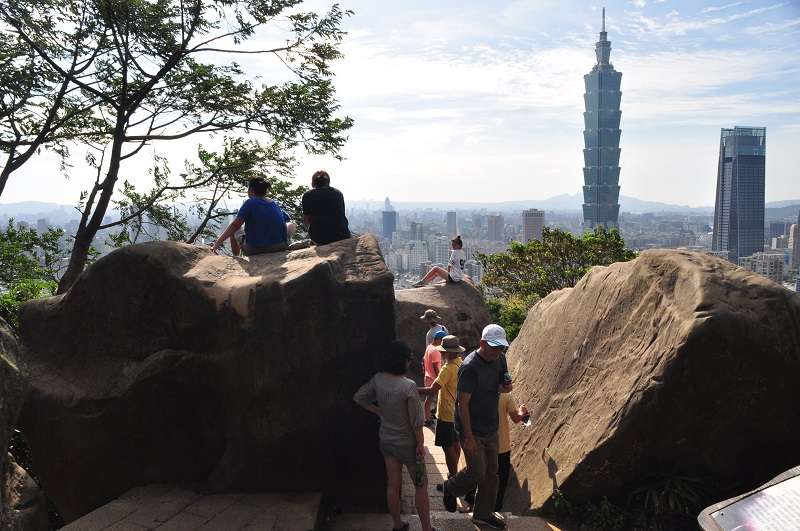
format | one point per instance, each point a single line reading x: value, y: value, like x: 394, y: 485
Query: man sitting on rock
x: 323, y: 211
x: 267, y: 227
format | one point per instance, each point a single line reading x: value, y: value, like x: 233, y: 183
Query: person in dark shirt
x: 323, y: 211
x: 267, y: 227
x: 481, y: 379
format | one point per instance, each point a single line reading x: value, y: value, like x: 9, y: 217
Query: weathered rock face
x: 675, y: 363
x: 167, y: 363
x: 21, y: 502
x: 461, y: 307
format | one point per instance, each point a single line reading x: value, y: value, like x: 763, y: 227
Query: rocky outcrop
x: 21, y: 503
x: 461, y: 307
x: 168, y: 363
x: 673, y: 364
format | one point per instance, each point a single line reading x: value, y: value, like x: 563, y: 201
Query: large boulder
x: 676, y: 364
x: 168, y: 363
x: 461, y: 307
x: 21, y: 502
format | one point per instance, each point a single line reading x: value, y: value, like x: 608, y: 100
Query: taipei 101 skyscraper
x: 601, y: 139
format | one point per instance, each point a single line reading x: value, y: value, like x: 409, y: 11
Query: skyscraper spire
x: 604, y: 21
x: 603, y: 46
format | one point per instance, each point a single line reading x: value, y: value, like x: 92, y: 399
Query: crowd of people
x: 473, y: 408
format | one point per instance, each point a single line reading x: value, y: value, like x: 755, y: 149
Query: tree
x: 162, y: 71
x: 515, y: 279
x: 38, y: 107
x: 29, y: 266
x: 201, y: 203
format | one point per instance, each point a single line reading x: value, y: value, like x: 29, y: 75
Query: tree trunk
x: 86, y: 233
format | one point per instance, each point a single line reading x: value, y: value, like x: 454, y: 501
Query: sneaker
x: 489, y: 521
x: 464, y: 506
x: 448, y: 500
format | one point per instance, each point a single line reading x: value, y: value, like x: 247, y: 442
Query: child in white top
x: 455, y: 266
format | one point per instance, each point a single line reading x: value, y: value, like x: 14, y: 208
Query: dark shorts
x: 450, y: 280
x: 445, y: 434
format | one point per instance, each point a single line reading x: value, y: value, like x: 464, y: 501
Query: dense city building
x: 769, y: 265
x: 532, y: 224
x: 739, y: 207
x: 495, y: 228
x: 452, y: 224
x: 601, y: 137
x: 795, y: 245
x: 415, y: 231
x: 777, y: 229
x: 389, y: 224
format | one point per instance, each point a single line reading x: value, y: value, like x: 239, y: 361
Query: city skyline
x: 474, y: 97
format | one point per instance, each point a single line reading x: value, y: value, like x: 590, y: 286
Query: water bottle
x: 419, y: 469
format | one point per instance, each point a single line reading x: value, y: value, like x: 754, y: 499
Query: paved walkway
x: 169, y: 508
x: 442, y: 520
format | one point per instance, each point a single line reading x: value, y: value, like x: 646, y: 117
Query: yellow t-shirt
x: 448, y: 381
x: 505, y: 405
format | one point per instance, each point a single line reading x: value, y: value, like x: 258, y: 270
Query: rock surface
x: 21, y: 503
x: 167, y: 363
x: 461, y: 307
x: 674, y: 364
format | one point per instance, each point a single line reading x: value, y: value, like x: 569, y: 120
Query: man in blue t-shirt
x: 267, y: 227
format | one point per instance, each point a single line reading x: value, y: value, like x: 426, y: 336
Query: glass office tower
x: 739, y: 207
x: 601, y: 139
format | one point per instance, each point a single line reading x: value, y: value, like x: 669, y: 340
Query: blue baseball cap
x: 439, y: 334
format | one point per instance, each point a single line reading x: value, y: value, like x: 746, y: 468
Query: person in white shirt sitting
x: 455, y: 266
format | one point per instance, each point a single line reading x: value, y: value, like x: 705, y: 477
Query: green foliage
x: 21, y: 292
x: 532, y: 270
x: 603, y: 516
x: 29, y: 267
x: 670, y: 493
x: 510, y: 313
x: 515, y: 279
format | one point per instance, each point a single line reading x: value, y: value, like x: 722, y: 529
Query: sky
x: 481, y: 101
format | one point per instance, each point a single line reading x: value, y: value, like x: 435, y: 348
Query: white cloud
x: 645, y: 27
x: 712, y: 9
x: 639, y: 3
x: 771, y: 27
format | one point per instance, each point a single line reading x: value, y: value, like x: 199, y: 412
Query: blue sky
x: 482, y: 101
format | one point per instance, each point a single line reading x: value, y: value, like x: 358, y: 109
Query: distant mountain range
x: 563, y: 203
x: 31, y: 211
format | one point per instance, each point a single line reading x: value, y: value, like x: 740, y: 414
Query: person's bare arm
x: 230, y: 231
x: 437, y: 366
x: 366, y: 396
x: 466, y: 422
x: 307, y: 220
x: 432, y: 390
x: 517, y: 414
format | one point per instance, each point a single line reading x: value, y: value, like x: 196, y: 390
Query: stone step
x: 172, y: 508
x: 441, y: 520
